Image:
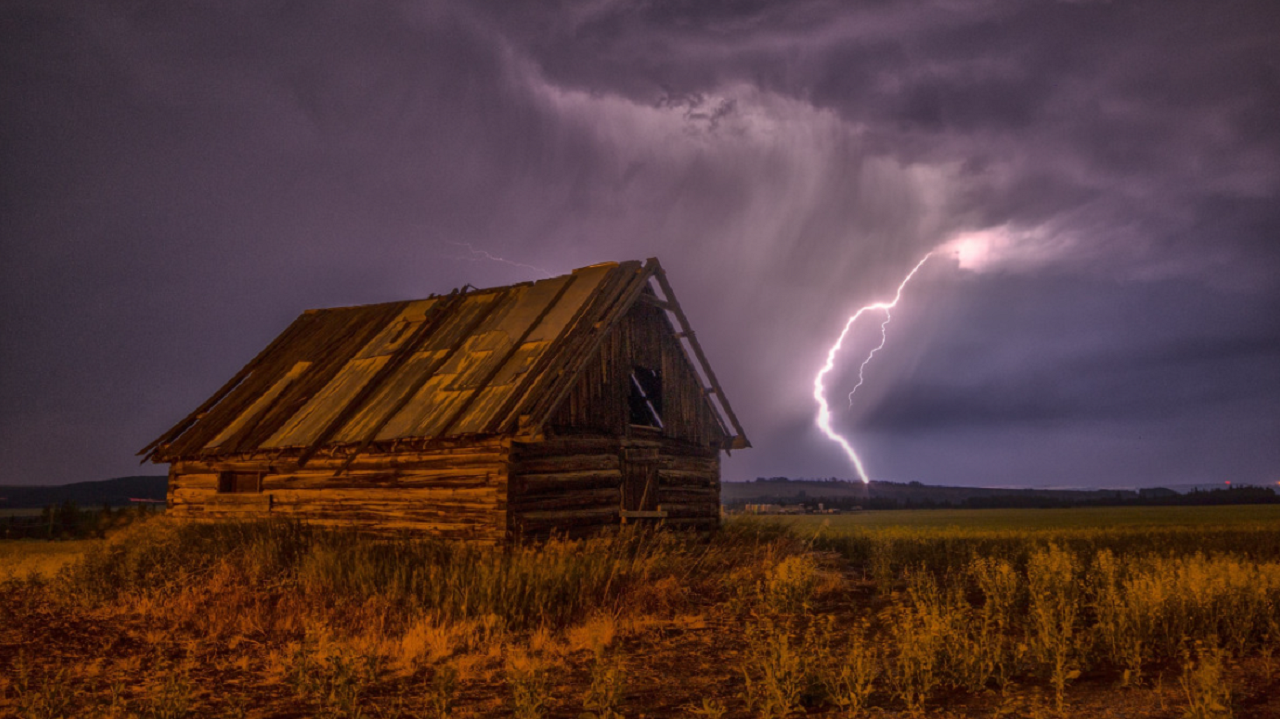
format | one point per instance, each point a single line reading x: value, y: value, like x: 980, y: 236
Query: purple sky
x: 181, y: 179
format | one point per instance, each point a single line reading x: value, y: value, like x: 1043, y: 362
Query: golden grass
x: 21, y: 557
x: 266, y: 619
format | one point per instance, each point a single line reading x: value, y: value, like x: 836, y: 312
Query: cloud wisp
x: 1098, y: 180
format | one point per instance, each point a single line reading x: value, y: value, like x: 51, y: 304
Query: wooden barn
x: 563, y: 405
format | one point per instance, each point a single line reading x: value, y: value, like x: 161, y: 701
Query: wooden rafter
x: 740, y: 440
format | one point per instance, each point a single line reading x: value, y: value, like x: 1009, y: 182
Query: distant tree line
x: 783, y: 480
x: 1158, y: 497
x: 68, y: 521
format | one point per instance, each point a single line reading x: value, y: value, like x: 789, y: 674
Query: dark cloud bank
x: 180, y: 180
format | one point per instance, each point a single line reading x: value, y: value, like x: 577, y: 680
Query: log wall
x: 457, y: 493
x: 570, y: 485
x: 574, y: 485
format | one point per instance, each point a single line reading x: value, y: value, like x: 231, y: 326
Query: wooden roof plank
x: 331, y: 329
x: 272, y: 368
x: 507, y: 416
x: 497, y: 367
x: 569, y: 353
x: 360, y: 326
x: 394, y: 360
x: 425, y: 377
x: 185, y: 423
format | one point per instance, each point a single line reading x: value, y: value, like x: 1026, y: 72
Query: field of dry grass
x: 282, y: 620
x: 21, y: 558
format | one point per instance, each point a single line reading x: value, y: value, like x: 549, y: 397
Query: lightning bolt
x: 476, y: 255
x: 819, y: 391
x: 884, y: 329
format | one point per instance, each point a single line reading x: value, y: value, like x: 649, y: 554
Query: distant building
x: 565, y: 405
x: 773, y: 509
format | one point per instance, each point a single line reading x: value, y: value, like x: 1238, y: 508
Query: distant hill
x: 88, y: 495
x: 887, y: 495
x: 782, y: 490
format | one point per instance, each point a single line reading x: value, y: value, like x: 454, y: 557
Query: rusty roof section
x: 484, y: 362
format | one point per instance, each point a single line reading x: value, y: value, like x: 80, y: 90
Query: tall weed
x: 1054, y: 610
x: 1205, y: 684
x: 774, y: 674
x: 846, y: 677
x: 529, y: 685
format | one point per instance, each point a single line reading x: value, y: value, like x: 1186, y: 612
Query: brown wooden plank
x: 422, y: 379
x: 186, y: 422
x: 566, y: 463
x: 332, y: 336
x: 466, y: 404
x: 397, y: 358
x: 535, y: 485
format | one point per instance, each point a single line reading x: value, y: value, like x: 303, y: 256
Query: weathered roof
x: 493, y: 361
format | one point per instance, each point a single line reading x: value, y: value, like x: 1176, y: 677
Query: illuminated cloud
x: 181, y: 181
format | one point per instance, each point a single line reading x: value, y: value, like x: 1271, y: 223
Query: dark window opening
x: 239, y: 482
x: 646, y: 397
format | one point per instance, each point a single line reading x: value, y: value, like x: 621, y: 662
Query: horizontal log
x: 571, y: 514
x: 476, y: 532
x: 629, y: 514
x: 184, y: 495
x: 463, y: 512
x: 376, y: 516
x: 433, y: 513
x: 671, y: 478
x: 538, y: 483
x: 233, y: 510
x: 483, y: 496
x: 688, y: 496
x: 539, y: 521
x: 324, y: 481
x: 606, y: 498
x: 679, y: 511
x: 480, y: 533
x: 553, y: 487
x: 571, y: 463
x: 444, y: 459
x: 565, y: 446
x: 193, y: 481
x: 691, y: 464
x: 238, y: 499
x: 475, y: 495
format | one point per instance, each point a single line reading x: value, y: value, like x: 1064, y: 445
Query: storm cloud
x: 1099, y: 179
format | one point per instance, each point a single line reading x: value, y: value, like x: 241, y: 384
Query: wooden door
x: 639, y: 488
